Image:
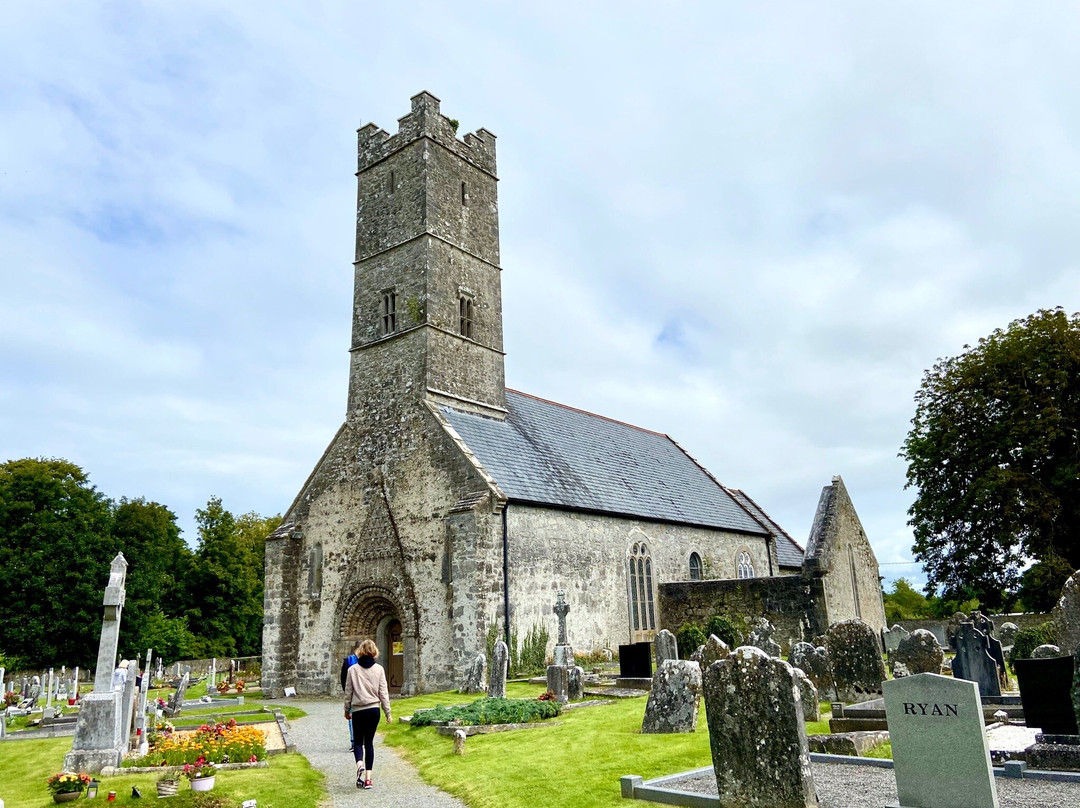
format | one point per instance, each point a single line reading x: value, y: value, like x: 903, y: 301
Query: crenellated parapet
x: 425, y: 120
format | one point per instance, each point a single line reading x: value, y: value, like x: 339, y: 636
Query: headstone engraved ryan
x: 941, y: 757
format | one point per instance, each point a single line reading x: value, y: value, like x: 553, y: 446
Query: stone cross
x: 562, y: 609
x: 160, y: 669
x: 211, y: 686
x: 110, y: 624
x: 49, y: 691
x: 75, y: 684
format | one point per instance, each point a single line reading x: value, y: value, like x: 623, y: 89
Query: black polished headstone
x: 635, y: 661
x: 1046, y: 692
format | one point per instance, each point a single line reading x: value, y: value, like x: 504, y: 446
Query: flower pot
x: 67, y: 796
x: 168, y: 788
x: 202, y: 783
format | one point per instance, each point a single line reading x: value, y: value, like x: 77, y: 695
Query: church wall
x: 586, y: 555
x: 793, y: 604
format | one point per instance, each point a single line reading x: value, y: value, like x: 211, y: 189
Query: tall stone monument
x: 500, y: 660
x: 564, y: 679
x: 99, y: 731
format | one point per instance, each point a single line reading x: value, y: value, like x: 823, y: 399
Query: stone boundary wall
x: 937, y: 626
x: 793, y: 604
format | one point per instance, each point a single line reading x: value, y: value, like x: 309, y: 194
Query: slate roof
x: 550, y: 454
x: 788, y: 551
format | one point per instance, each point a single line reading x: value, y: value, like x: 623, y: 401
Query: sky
x: 750, y: 226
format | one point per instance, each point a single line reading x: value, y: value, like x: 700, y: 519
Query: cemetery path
x: 323, y: 738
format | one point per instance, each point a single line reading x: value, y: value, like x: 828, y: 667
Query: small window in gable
x: 695, y: 567
x: 464, y: 194
x: 465, y: 316
x: 744, y: 565
x: 389, y: 313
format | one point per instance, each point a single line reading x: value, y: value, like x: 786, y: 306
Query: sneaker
x: 360, y: 777
x: 367, y: 783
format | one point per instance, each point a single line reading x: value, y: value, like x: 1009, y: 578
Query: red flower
x: 252, y: 759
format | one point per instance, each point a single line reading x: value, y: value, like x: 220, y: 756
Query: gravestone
x: 1007, y: 634
x: 635, y: 661
x: 809, y: 695
x: 564, y: 652
x: 1046, y: 652
x: 893, y: 636
x: 575, y: 683
x: 1066, y: 615
x: 953, y: 626
x: 814, y: 662
x: 1046, y: 692
x: 713, y: 650
x: 665, y: 647
x: 127, y: 705
x: 566, y: 682
x: 756, y: 732
x: 857, y: 667
x: 459, y: 741
x: 175, y: 702
x: 983, y: 623
x: 160, y: 669
x: 941, y: 757
x: 211, y: 686
x: 142, y: 744
x: 474, y: 675
x: 673, y: 698
x: 973, y: 661
x: 99, y: 730
x: 760, y: 636
x: 75, y: 684
x: 500, y: 658
x: 919, y: 652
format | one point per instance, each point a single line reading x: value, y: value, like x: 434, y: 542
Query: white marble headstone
x: 941, y: 757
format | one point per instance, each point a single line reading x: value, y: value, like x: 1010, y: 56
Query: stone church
x: 447, y: 504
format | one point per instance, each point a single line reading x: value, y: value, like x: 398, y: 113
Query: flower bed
x: 214, y: 743
x: 489, y: 711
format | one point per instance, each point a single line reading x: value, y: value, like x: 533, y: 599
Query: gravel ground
x: 841, y: 786
x: 323, y: 738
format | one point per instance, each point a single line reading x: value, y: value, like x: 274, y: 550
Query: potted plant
x: 168, y: 785
x: 201, y: 774
x: 67, y: 786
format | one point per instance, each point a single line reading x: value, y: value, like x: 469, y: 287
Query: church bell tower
x: 427, y: 307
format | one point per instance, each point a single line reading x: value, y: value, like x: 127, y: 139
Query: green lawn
x: 575, y: 765
x: 290, y: 782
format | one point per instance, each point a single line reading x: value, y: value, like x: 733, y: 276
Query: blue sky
x: 751, y: 227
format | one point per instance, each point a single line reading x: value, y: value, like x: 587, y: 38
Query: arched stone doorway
x: 372, y: 614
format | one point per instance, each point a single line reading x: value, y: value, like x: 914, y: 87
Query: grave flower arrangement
x: 199, y: 769
x: 11, y: 698
x: 68, y: 782
x: 239, y: 685
x: 212, y: 742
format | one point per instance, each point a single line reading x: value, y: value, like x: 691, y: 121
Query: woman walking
x: 365, y: 692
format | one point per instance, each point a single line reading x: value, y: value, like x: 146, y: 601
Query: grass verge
x: 289, y: 782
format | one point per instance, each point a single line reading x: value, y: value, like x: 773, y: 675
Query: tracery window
x: 642, y: 603
x: 744, y: 565
x: 389, y: 313
x: 695, y: 567
x: 465, y: 316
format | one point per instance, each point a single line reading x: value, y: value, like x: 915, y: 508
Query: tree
x: 225, y: 586
x: 55, y: 551
x: 158, y: 562
x: 994, y: 454
x: 904, y: 603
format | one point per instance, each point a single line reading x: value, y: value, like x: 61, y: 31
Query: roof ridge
x: 772, y: 521
x: 587, y: 412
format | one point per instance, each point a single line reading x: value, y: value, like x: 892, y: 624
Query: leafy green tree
x: 158, y: 562
x: 225, y: 585
x: 904, y: 603
x: 1040, y: 585
x: 55, y: 550
x: 994, y: 455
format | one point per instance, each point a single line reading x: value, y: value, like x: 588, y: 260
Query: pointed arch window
x: 388, y: 312
x: 695, y: 567
x: 744, y: 565
x: 642, y: 601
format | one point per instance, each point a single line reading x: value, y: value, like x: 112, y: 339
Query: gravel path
x: 323, y: 738
x: 841, y: 786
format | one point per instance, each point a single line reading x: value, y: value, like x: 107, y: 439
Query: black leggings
x: 364, y: 724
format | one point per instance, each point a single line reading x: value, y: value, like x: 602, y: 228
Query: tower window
x: 390, y: 184
x: 389, y: 313
x: 464, y: 194
x: 695, y: 567
x: 465, y: 316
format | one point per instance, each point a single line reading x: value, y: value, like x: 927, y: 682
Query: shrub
x: 533, y: 653
x: 689, y: 637
x: 726, y: 629
x: 1028, y: 639
x: 489, y: 711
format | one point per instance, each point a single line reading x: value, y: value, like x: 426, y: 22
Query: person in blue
x: 347, y: 663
